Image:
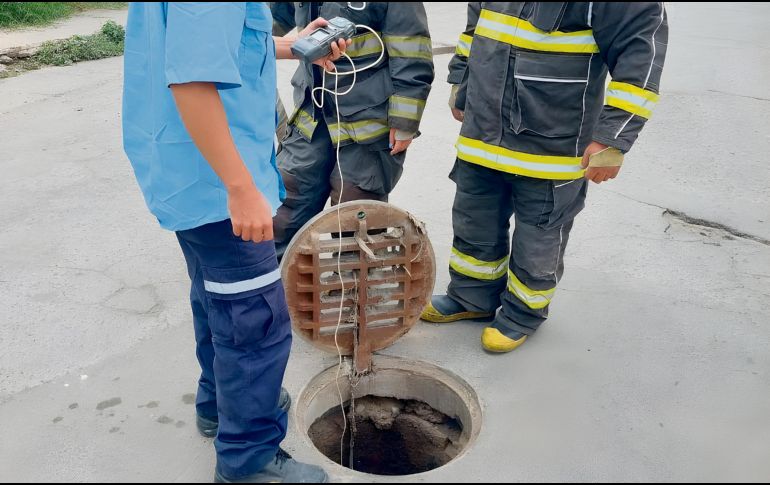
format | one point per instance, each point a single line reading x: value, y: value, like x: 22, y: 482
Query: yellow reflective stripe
x: 464, y: 45
x: 358, y: 131
x: 475, y: 268
x: 304, y: 123
x: 520, y: 33
x: 632, y: 99
x: 535, y: 299
x: 634, y: 90
x: 417, y: 47
x: 404, y: 107
x: 364, y: 45
x: 510, y: 161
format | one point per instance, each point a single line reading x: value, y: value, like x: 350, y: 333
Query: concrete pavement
x: 654, y: 366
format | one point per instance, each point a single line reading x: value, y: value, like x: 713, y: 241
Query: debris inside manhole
x: 392, y: 437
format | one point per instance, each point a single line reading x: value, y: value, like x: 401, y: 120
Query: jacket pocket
x: 549, y: 93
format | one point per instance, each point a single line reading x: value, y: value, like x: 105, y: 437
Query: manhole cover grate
x: 388, y: 270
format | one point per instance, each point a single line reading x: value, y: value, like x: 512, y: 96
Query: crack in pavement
x: 737, y: 95
x: 696, y: 221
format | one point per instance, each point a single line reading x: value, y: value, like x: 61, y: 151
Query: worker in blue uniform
x: 198, y: 125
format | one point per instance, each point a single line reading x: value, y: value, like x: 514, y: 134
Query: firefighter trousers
x: 488, y: 267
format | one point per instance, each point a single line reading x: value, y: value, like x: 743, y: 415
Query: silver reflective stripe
x: 483, y: 270
x: 550, y: 79
x: 242, y: 286
x: 364, y: 45
x: 632, y: 98
x: 358, y: 130
x: 499, y: 158
x: 535, y: 299
x: 406, y: 107
x: 367, y: 131
x: 418, y: 47
x: 542, y: 38
x: 464, y: 45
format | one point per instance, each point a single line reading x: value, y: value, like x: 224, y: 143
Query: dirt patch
x: 393, y: 437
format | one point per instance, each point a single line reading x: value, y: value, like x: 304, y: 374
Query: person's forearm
x: 204, y: 117
x: 283, y: 46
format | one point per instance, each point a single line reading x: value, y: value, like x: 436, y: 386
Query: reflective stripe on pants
x: 484, y: 203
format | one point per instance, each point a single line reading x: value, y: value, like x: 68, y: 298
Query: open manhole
x: 357, y: 277
x: 403, y: 418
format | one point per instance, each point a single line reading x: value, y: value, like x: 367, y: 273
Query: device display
x: 318, y: 44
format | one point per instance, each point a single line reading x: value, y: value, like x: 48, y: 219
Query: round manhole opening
x: 404, y: 418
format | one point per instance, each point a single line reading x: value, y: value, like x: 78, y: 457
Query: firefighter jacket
x: 531, y: 79
x: 389, y: 95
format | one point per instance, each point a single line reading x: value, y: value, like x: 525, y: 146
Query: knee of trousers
x: 480, y: 225
x: 536, y: 252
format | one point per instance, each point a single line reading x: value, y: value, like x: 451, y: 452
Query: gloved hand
x: 456, y: 113
x: 601, y: 162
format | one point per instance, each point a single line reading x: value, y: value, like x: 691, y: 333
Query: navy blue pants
x: 243, y: 336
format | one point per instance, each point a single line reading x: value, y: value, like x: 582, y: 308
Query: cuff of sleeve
x: 403, y: 124
x: 618, y: 143
x: 403, y: 135
x: 172, y: 77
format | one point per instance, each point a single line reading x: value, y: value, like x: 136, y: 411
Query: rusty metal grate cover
x: 388, y: 269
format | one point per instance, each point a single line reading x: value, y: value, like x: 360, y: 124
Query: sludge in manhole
x: 392, y: 436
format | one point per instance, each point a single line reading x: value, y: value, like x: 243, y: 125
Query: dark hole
x: 393, y: 437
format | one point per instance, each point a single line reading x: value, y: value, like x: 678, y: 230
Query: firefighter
x: 379, y: 117
x: 529, y: 88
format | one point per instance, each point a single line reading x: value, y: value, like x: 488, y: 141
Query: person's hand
x: 457, y: 114
x: 250, y: 214
x: 598, y: 174
x: 398, y: 146
x: 338, y: 48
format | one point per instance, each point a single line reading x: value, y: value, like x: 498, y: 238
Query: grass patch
x: 22, y: 14
x: 108, y: 42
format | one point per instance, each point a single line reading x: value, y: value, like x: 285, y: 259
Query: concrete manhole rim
x: 325, y: 382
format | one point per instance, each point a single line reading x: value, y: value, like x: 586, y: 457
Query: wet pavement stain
x: 150, y: 405
x: 164, y: 420
x: 74, y: 405
x: 58, y: 419
x: 108, y: 403
x: 188, y: 399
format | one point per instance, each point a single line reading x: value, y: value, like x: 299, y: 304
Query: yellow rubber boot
x: 449, y: 311
x: 493, y: 340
